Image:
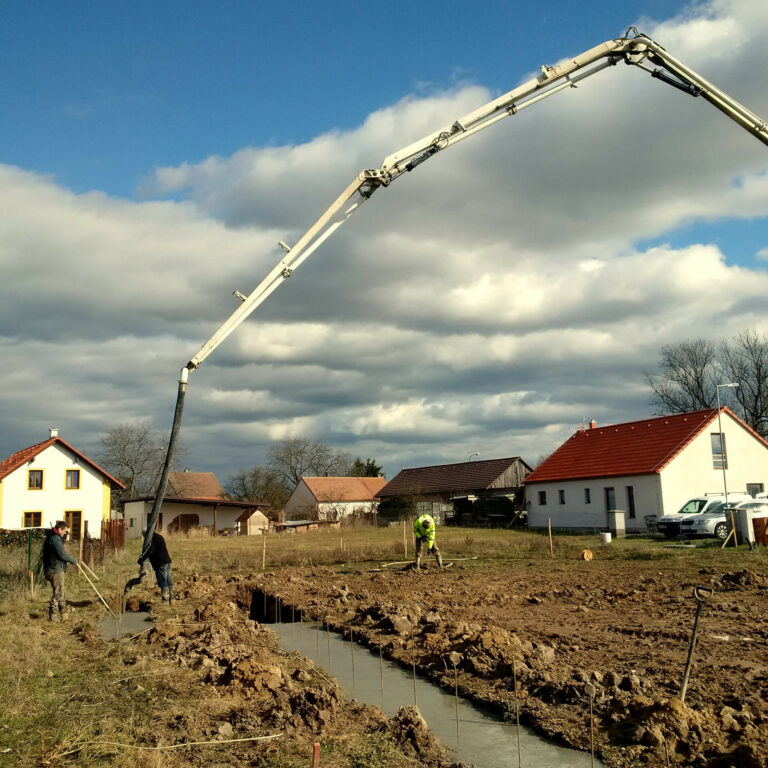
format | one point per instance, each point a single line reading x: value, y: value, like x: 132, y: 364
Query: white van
x: 710, y: 503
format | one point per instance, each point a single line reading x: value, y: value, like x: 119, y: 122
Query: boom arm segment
x: 632, y: 50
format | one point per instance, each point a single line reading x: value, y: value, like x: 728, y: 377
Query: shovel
x: 702, y: 594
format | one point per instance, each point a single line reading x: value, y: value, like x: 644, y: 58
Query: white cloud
x: 488, y: 302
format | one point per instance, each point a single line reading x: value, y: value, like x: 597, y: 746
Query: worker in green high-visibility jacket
x: 424, y: 529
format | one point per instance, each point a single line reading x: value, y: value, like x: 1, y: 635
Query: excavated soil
x: 263, y: 689
x: 613, y: 636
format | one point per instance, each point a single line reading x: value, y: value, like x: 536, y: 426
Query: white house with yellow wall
x: 53, y: 481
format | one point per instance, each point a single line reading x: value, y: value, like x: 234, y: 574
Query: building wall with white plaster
x: 92, y: 498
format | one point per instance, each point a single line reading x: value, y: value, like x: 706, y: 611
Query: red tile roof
x: 18, y: 459
x: 194, y: 485
x: 344, y: 488
x: 451, y: 478
x: 634, y: 448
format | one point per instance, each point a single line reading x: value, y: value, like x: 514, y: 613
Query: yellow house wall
x: 106, y: 501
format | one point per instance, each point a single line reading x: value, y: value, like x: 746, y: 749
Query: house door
x: 610, y: 499
x: 74, y: 519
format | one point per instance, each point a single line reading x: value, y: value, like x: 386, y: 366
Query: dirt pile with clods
x: 239, y: 659
x: 561, y: 642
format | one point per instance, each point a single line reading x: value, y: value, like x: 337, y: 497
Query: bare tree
x: 687, y: 377
x: 745, y: 360
x: 134, y: 454
x: 294, y: 457
x: 259, y: 485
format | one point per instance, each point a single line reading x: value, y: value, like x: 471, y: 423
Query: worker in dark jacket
x: 157, y: 555
x: 55, y: 559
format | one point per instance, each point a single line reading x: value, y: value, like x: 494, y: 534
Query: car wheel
x: 721, y: 531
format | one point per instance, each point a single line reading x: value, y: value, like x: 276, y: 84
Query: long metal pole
x: 722, y: 445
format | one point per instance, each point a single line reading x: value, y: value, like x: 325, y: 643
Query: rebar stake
x: 413, y: 662
x: 591, y: 729
x: 456, y: 696
x: 517, y: 714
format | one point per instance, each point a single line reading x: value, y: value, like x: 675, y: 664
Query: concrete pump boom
x: 638, y: 50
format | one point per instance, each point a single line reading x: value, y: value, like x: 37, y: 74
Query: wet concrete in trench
x: 127, y: 624
x: 482, y: 739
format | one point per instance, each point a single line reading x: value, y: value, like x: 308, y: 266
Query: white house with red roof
x: 333, y: 498
x: 648, y: 467
x: 196, y: 501
x: 53, y: 481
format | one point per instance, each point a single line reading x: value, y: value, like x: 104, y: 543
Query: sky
x: 153, y: 154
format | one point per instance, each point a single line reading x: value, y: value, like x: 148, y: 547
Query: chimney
x: 593, y: 424
x: 54, y: 432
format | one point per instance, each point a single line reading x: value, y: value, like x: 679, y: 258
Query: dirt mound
x: 745, y: 578
x: 409, y: 731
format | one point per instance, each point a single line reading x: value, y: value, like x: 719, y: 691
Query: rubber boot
x: 166, y: 593
x: 54, y: 616
x: 418, y: 563
x: 439, y: 559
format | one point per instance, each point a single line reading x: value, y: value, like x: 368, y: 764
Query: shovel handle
x: 702, y: 594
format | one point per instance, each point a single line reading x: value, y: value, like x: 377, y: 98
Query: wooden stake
x: 352, y: 654
x: 727, y: 538
x: 264, y: 551
x: 316, y: 755
x: 405, y: 542
x: 517, y: 715
x: 733, y: 528
x: 549, y: 525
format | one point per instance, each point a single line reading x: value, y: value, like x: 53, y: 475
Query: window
x: 542, y: 498
x: 131, y: 521
x: 72, y: 482
x: 631, y: 500
x: 74, y: 519
x: 719, y: 456
x: 754, y: 488
x: 33, y: 519
x: 610, y: 499
x: 35, y: 480
x: 561, y: 497
x: 587, y: 496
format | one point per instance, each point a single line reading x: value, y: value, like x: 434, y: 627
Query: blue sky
x: 99, y: 93
x: 152, y: 154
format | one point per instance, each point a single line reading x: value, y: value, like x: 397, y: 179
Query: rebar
x: 413, y: 663
x: 517, y: 715
x: 456, y: 696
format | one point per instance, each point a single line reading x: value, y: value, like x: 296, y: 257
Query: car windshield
x: 716, y: 508
x: 693, y: 506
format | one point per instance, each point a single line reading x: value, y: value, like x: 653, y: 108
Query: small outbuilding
x: 487, y: 489
x: 644, y: 468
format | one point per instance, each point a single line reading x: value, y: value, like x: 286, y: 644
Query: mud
x: 208, y: 632
x: 612, y: 636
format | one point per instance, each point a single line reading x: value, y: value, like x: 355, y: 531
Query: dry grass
x: 59, y: 692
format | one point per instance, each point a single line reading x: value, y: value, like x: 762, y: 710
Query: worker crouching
x: 424, y: 529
